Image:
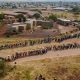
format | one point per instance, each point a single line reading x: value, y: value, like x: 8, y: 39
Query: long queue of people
x: 18, y: 55
x: 42, y: 51
x: 39, y: 41
x: 26, y: 43
x: 68, y: 36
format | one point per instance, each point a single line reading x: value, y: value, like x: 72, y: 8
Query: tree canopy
x: 39, y: 11
x: 2, y: 66
x: 76, y: 10
x: 37, y: 15
x: 53, y: 17
x: 21, y: 18
x: 1, y: 17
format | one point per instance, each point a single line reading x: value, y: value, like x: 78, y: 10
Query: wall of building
x: 45, y: 24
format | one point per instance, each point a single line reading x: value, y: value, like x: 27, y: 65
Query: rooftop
x: 65, y: 20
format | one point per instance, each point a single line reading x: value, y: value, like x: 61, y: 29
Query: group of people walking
x: 42, y: 51
x: 18, y: 55
x: 26, y: 43
x: 39, y: 41
x: 68, y: 36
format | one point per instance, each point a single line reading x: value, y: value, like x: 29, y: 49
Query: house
x: 21, y: 27
x: 33, y: 24
x: 64, y: 22
x: 62, y: 9
x: 45, y: 24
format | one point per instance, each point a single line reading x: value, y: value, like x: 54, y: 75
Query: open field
x: 14, y: 39
x: 40, y: 33
x: 62, y: 65
x: 63, y: 14
x: 62, y: 68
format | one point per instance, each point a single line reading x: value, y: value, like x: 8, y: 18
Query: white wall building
x: 23, y: 26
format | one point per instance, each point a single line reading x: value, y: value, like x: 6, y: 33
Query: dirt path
x: 51, y: 54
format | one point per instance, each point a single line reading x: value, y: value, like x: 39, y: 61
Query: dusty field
x: 62, y: 68
x: 62, y: 14
x: 40, y: 33
x: 63, y: 65
x: 14, y: 39
x: 63, y: 29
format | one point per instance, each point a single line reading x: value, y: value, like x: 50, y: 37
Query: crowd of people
x: 42, y: 51
x: 39, y: 41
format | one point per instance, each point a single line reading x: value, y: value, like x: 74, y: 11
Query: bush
x: 2, y: 67
x: 53, y: 17
x: 21, y: 18
x: 37, y: 15
x: 1, y: 17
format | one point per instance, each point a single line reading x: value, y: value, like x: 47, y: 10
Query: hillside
x: 65, y: 68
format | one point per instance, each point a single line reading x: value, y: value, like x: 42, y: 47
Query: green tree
x: 76, y: 12
x: 76, y: 15
x: 76, y: 9
x: 39, y: 11
x: 37, y: 15
x: 1, y: 17
x: 21, y: 18
x: 2, y: 67
x: 53, y: 17
x: 5, y: 68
